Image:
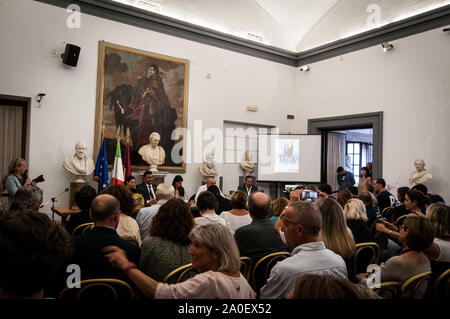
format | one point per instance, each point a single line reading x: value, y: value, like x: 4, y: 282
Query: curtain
x: 10, y: 135
x: 336, y: 157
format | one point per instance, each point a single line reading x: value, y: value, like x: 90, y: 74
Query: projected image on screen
x: 289, y: 158
x: 286, y: 156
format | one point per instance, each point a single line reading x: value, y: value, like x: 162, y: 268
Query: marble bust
x: 153, y: 153
x: 420, y: 175
x: 208, y: 167
x: 247, y: 166
x: 79, y: 164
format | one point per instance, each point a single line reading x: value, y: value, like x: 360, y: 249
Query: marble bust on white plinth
x: 420, y: 175
x: 152, y: 153
x: 79, y: 164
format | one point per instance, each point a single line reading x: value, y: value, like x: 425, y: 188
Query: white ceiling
x: 293, y: 25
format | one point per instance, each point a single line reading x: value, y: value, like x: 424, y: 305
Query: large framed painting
x: 139, y: 93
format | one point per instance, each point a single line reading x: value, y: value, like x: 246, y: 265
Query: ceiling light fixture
x: 387, y: 47
x: 304, y: 68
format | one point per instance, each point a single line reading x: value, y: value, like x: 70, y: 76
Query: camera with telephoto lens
x: 39, y: 179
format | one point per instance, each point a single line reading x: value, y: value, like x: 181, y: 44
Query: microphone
x: 53, y: 199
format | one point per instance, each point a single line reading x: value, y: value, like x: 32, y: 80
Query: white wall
x: 410, y: 84
x: 28, y: 32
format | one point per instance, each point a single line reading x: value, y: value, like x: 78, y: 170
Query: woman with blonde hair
x: 355, y: 214
x: 439, y: 216
x: 15, y: 178
x: 214, y: 253
x: 335, y: 233
x: 278, y: 205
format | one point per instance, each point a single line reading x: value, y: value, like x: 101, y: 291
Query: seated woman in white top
x: 239, y: 215
x: 438, y: 215
x: 214, y: 253
x: 207, y: 205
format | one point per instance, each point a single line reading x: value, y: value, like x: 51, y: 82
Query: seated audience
x: 207, y: 205
x: 88, y: 254
x: 439, y: 216
x: 326, y: 188
x: 144, y: 217
x: 258, y: 238
x: 130, y: 183
x: 414, y: 203
x: 370, y: 202
x: 214, y: 254
x: 421, y: 188
x: 355, y: 214
x: 238, y: 216
x: 209, y: 181
x: 223, y: 204
x: 167, y: 247
x: 343, y: 196
x: 128, y: 228
x: 385, y: 199
x: 83, y: 199
x: 32, y: 250
x: 435, y: 198
x: 312, y: 286
x: 399, y: 209
x: 334, y: 232
x: 354, y: 191
x: 248, y: 186
x: 416, y: 235
x: 177, y: 184
x: 278, y: 205
x: 301, y: 225
x: 27, y: 198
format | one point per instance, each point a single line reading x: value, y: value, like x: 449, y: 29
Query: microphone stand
x: 53, y: 199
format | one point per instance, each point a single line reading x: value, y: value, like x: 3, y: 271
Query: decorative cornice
x: 152, y: 21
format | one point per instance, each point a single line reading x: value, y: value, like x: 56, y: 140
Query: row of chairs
x: 420, y: 286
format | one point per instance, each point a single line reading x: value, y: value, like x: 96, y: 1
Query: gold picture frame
x: 140, y: 92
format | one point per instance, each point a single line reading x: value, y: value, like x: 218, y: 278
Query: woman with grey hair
x: 214, y: 253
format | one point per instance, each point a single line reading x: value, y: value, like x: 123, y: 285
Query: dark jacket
x: 77, y: 219
x: 244, y: 188
x: 360, y: 231
x: 89, y: 256
x: 143, y: 190
x: 258, y: 239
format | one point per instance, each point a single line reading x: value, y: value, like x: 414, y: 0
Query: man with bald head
x: 302, y: 222
x: 203, y: 188
x: 258, y: 238
x: 88, y: 254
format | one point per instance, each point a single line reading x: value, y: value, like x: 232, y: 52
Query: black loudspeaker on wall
x: 71, y: 54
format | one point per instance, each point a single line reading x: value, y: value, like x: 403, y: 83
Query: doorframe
x: 372, y: 120
x: 25, y: 103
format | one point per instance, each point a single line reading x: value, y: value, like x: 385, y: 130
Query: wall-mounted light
x: 39, y: 97
x: 304, y: 68
x: 387, y: 47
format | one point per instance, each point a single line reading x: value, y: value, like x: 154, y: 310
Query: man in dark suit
x: 248, y: 186
x: 258, y: 238
x: 147, y: 189
x: 88, y: 254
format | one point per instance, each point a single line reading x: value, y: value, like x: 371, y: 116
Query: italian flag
x: 117, y: 173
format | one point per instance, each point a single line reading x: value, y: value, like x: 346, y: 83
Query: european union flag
x: 101, y: 168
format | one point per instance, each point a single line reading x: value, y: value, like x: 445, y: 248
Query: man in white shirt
x: 144, y: 217
x: 210, y: 181
x: 302, y: 222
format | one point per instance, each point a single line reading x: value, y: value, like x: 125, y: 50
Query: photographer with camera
x: 17, y: 177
